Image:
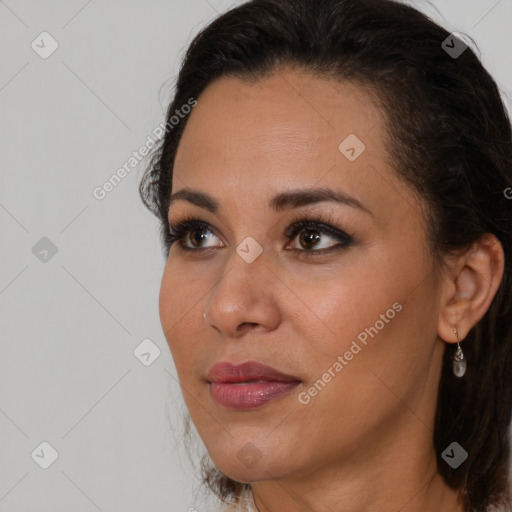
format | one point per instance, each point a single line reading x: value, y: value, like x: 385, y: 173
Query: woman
x: 334, y: 194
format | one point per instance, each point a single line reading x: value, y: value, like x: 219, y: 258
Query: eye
x: 192, y: 231
x: 309, y: 234
x: 192, y: 234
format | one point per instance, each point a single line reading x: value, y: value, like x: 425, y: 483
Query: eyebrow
x: 284, y: 200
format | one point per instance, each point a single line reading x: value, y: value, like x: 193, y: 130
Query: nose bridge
x: 243, y: 293
x: 246, y: 267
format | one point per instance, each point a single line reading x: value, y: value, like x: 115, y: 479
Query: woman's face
x: 354, y: 323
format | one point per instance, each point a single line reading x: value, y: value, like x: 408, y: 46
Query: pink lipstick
x: 249, y: 385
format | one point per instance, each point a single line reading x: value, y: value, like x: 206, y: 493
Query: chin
x: 248, y: 464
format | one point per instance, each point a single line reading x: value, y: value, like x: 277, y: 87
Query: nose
x: 244, y: 299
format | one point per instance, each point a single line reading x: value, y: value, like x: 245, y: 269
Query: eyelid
x: 323, y: 219
x: 182, y: 218
x: 324, y: 223
x: 188, y: 218
x: 185, y: 225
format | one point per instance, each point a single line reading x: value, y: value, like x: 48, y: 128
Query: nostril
x: 246, y: 325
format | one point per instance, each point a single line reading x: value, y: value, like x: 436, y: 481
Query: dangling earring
x: 459, y: 363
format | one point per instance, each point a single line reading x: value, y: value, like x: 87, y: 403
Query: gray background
x: 69, y: 325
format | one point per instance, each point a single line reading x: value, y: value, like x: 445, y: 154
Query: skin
x: 365, y: 442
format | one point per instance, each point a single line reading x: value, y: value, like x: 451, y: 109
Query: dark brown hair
x: 450, y: 141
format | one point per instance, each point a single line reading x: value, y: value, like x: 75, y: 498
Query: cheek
x: 182, y: 301
x: 180, y: 296
x: 381, y: 332
x: 340, y: 308
x: 179, y: 307
x: 167, y: 302
x: 377, y: 315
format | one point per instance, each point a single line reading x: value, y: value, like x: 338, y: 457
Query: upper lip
x: 224, y: 372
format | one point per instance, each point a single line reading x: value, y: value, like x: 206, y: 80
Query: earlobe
x: 471, y: 287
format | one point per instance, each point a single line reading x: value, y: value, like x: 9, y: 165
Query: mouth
x: 249, y: 395
x: 249, y: 385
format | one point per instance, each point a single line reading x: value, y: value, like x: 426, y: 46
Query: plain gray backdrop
x: 80, y: 276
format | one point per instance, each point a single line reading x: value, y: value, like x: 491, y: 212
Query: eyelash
x: 300, y: 223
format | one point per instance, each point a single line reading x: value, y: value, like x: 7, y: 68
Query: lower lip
x: 249, y: 395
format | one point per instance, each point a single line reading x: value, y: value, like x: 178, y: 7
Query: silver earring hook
x: 459, y: 364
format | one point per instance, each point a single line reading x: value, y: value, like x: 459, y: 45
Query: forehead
x: 286, y: 112
x: 255, y: 139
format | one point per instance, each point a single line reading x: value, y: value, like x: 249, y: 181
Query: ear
x: 469, y: 287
